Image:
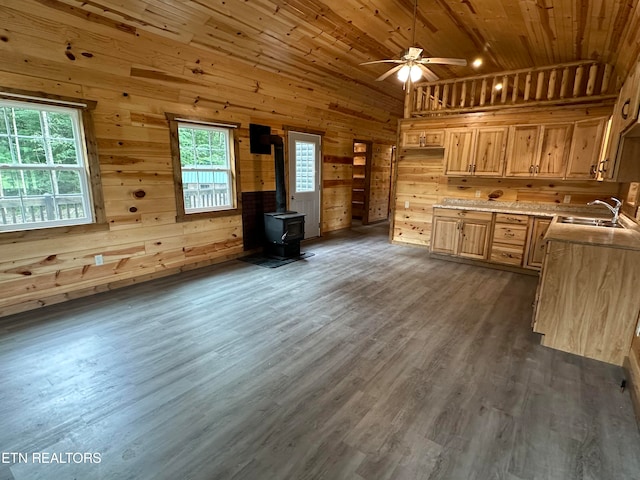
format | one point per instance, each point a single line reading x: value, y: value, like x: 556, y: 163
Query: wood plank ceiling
x: 324, y: 41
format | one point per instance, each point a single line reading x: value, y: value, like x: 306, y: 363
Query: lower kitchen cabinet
x: 461, y: 232
x: 587, y: 301
x: 535, y: 242
x: 509, y: 238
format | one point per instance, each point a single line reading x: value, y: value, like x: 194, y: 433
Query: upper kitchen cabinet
x: 522, y: 150
x: 458, y: 147
x: 585, y: 148
x: 423, y: 139
x: 539, y: 150
x: 621, y: 150
x: 554, y: 150
x: 475, y: 151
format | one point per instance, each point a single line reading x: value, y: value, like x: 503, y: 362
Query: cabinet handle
x: 537, y: 169
x: 474, y: 168
x: 624, y: 111
x: 508, y: 255
x: 469, y: 168
x: 604, y: 162
x: 593, y: 171
x: 509, y: 234
x: 513, y: 219
x: 531, y: 169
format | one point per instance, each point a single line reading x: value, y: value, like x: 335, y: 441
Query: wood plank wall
x: 135, y: 77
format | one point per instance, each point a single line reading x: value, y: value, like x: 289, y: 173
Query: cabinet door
x: 535, y: 252
x: 490, y: 150
x: 554, y: 151
x: 444, y: 237
x: 474, y: 239
x: 459, y: 151
x: 585, y: 148
x: 423, y: 138
x: 522, y: 150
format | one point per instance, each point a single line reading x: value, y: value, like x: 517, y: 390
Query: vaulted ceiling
x: 324, y: 41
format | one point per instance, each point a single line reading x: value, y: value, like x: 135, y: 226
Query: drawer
x: 510, y: 234
x: 431, y: 138
x: 469, y: 214
x: 507, y: 254
x: 510, y: 218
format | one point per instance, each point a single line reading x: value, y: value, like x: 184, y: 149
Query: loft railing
x: 564, y: 83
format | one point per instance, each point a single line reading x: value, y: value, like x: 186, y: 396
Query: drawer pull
x: 509, y: 234
x: 508, y: 255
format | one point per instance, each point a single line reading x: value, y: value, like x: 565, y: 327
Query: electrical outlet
x: 99, y: 260
x: 478, y: 193
x: 406, y: 204
x: 567, y: 199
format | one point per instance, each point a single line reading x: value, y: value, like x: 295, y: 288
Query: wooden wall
x: 135, y: 77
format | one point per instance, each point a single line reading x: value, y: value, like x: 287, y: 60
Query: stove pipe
x: 278, y: 157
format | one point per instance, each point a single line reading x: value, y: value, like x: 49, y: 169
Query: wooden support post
x: 505, y: 88
x: 527, y: 87
x: 564, y: 82
x: 454, y: 95
x: 539, y: 85
x: 436, y: 98
x: 445, y: 96
x: 516, y: 86
x: 591, y: 83
x: 483, y: 92
x: 419, y: 96
x: 577, y: 81
x: 472, y: 99
x: 463, y: 94
x: 409, y: 100
x: 551, y: 91
x: 494, y: 84
x: 427, y: 98
x: 606, y: 78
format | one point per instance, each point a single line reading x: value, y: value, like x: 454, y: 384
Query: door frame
x: 367, y: 176
x: 293, y: 129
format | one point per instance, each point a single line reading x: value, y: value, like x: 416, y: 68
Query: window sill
x: 188, y: 217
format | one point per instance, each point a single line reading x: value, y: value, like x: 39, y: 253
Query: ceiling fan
x: 412, y: 64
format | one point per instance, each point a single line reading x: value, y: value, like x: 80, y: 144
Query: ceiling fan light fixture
x: 477, y: 63
x: 403, y: 73
x: 415, y: 73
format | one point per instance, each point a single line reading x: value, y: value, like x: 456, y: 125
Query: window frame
x: 176, y: 121
x: 87, y: 141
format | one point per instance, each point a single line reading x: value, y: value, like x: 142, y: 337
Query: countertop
x: 523, y: 208
x: 626, y: 238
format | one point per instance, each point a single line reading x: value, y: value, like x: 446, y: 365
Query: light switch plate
x: 406, y: 204
x: 567, y: 199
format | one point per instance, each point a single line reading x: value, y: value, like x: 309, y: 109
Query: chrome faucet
x: 614, y: 210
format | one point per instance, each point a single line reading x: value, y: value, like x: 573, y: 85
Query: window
x: 204, y: 167
x: 44, y: 174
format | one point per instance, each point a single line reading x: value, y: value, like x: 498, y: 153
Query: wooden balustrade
x: 565, y: 83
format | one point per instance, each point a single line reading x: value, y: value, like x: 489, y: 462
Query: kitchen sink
x: 594, y: 222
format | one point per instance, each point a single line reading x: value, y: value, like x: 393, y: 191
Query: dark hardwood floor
x: 365, y: 361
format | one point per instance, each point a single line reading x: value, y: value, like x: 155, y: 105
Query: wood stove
x: 283, y: 229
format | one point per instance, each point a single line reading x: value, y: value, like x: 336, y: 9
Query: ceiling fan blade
x: 382, y: 61
x: 389, y: 73
x: 428, y: 74
x: 445, y: 61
